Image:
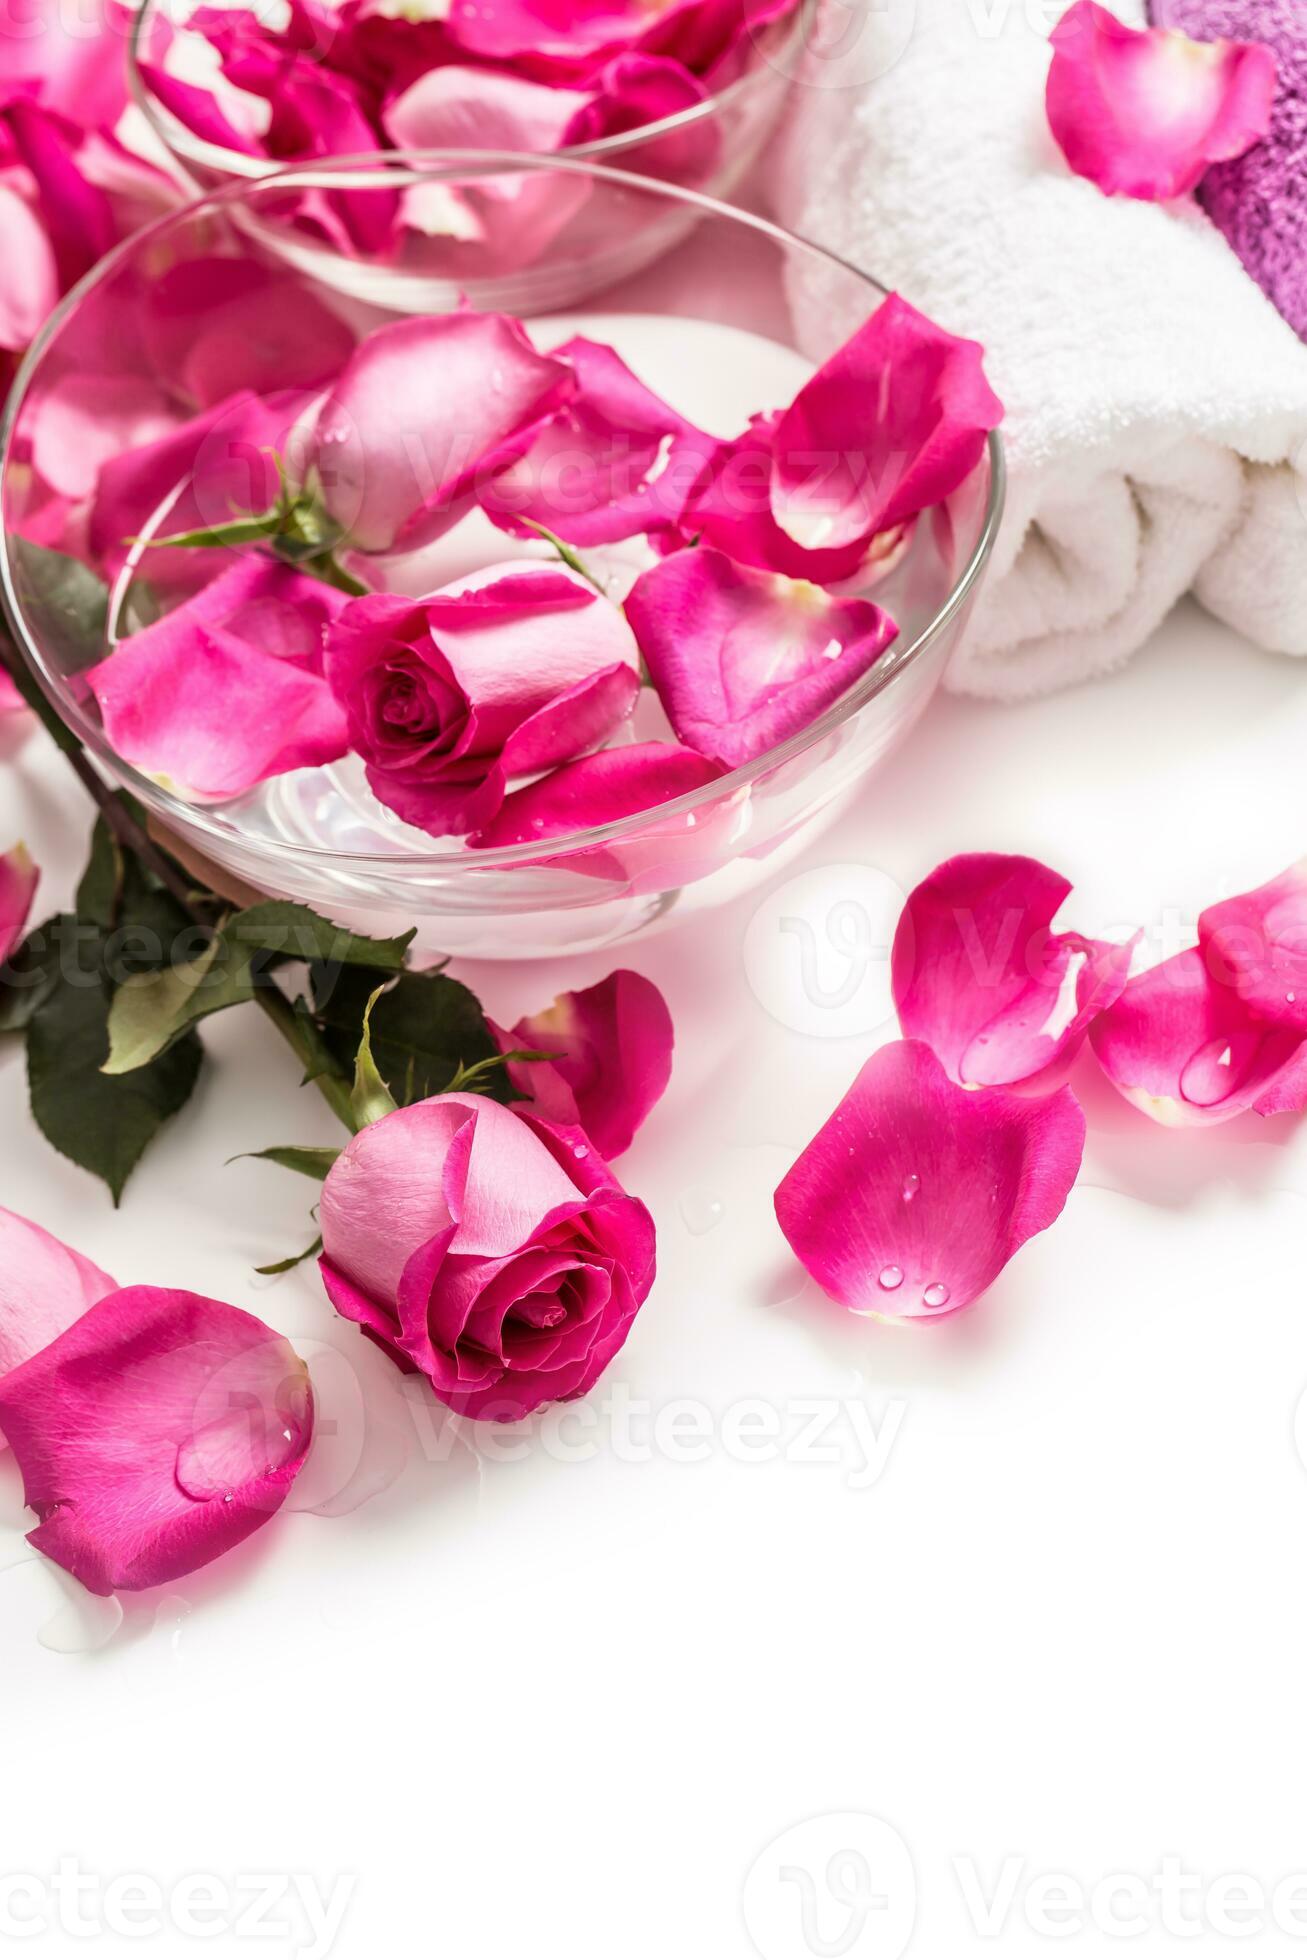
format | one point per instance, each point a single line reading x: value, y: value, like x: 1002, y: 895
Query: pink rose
x: 489, y: 1249
x: 505, y: 674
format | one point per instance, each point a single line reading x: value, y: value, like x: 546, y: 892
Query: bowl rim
x: 372, y: 172
x: 791, y: 33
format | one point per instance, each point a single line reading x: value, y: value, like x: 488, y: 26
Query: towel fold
x: 1156, y: 402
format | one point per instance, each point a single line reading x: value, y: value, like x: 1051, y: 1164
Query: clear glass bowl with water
x: 710, y: 329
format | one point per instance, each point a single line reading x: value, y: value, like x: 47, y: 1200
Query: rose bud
x: 492, y: 1251
x: 501, y: 675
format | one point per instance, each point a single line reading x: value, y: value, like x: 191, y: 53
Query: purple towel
x: 1260, y: 200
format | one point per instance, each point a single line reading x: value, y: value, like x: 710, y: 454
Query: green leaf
x: 101, y: 1122
x: 310, y: 1160
x: 370, y: 1099
x: 296, y: 1259
x: 100, y: 892
x: 295, y: 932
x: 153, y: 1010
x: 70, y: 604
x: 237, y: 530
x: 424, y: 1029
x: 28, y: 977
x: 475, y: 1078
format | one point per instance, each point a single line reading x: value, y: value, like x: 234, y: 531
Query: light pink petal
x: 84, y: 420
x: 742, y: 659
x: 19, y: 878
x: 44, y: 1287
x: 11, y: 701
x: 615, y: 461
x: 154, y: 1434
x: 910, y: 1201
x: 422, y: 406
x: 1182, y: 1046
x: 71, y: 62
x: 1257, y: 944
x: 612, y: 1049
x: 381, y: 1198
x: 30, y: 286
x: 217, y: 326
x: 892, y: 424
x: 227, y: 689
x: 458, y: 108
x: 1145, y: 113
x: 980, y: 975
x: 596, y: 789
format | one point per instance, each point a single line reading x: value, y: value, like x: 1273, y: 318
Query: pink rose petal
x: 30, y: 287
x: 912, y: 1198
x: 597, y: 789
x: 19, y: 878
x: 612, y: 1049
x: 218, y: 326
x: 1143, y: 114
x: 979, y: 974
x: 44, y: 1287
x: 614, y: 462
x: 11, y: 701
x: 422, y: 406
x: 227, y: 689
x: 892, y: 424
x: 742, y: 659
x: 637, y: 89
x: 1182, y: 1047
x: 154, y: 1434
x: 1257, y: 944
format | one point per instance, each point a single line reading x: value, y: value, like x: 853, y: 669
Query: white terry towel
x: 1156, y: 403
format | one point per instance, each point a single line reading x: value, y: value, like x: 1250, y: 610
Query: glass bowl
x: 710, y: 329
x: 709, y: 148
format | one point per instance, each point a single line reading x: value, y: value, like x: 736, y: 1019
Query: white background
x: 547, y: 1708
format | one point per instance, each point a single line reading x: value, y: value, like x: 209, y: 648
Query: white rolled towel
x: 1156, y: 402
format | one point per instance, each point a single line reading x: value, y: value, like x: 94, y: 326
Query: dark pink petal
x: 154, y: 1434
x: 597, y: 789
x: 892, y: 424
x: 19, y: 878
x: 980, y: 975
x: 1257, y: 944
x: 910, y: 1201
x: 637, y: 89
x: 214, y: 467
x: 730, y: 509
x: 422, y: 406
x: 742, y: 659
x: 1182, y: 1046
x: 612, y: 1058
x: 217, y: 326
x: 76, y: 214
x: 227, y: 689
x: 44, y: 1287
x: 1145, y: 113
x: 197, y: 110
x: 614, y: 462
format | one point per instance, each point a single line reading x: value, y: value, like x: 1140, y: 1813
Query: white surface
x: 1156, y: 430
x: 556, y: 1708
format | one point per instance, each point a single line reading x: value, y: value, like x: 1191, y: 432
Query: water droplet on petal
x: 911, y: 1186
x: 1219, y: 1067
x: 936, y: 1295
x: 890, y: 1277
